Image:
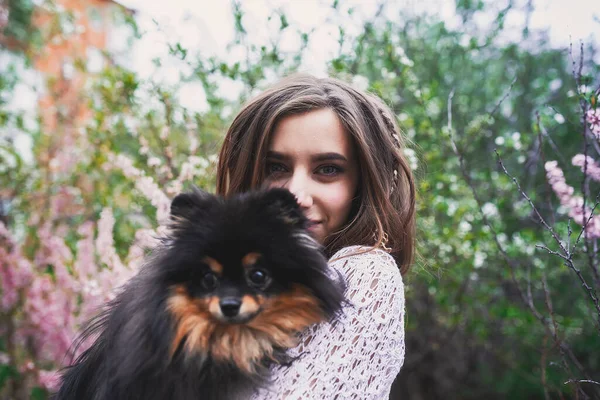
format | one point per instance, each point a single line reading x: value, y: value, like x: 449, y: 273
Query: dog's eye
x: 258, y: 277
x: 209, y: 281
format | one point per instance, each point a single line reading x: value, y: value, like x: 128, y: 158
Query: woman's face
x: 313, y: 157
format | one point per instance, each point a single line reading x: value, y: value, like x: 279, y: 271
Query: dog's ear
x: 191, y: 205
x: 284, y: 204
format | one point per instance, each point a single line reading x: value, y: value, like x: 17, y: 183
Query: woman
x: 340, y: 152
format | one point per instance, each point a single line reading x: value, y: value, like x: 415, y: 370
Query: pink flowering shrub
x: 47, y: 309
x: 46, y: 298
x: 84, y: 232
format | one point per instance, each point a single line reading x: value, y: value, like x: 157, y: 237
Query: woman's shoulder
x: 370, y: 274
x: 365, y: 257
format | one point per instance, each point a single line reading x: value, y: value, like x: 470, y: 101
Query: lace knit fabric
x: 358, y: 355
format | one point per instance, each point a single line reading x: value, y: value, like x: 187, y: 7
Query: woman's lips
x: 312, y: 224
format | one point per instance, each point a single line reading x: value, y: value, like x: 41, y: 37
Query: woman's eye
x: 258, y: 277
x: 329, y: 170
x: 210, y: 281
x: 275, y: 168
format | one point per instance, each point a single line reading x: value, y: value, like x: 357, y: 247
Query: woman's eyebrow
x: 277, y: 156
x: 331, y: 156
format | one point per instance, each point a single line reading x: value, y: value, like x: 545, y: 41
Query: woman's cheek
x: 339, y: 201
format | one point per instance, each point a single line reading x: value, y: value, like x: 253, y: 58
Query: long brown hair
x: 384, y: 211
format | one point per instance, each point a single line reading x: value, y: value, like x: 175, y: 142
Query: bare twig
x: 545, y: 133
x: 495, y: 109
x: 580, y: 61
x: 529, y: 295
x: 596, y: 203
x: 575, y: 74
x: 554, y: 253
x: 534, y: 208
x: 548, y: 302
x: 548, y: 192
x: 543, y: 358
x: 569, y: 233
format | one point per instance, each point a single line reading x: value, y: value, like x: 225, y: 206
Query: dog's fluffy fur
x: 215, y: 305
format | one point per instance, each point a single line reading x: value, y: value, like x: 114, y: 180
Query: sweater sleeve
x: 358, y: 355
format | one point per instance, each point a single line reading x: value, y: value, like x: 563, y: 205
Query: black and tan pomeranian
x: 217, y: 303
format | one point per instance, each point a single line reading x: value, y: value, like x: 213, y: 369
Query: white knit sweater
x: 359, y: 355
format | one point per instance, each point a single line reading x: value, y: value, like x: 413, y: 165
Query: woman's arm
x: 359, y: 355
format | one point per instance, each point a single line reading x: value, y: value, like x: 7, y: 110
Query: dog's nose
x: 230, y: 306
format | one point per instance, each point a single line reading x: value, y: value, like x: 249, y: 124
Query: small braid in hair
x: 391, y: 127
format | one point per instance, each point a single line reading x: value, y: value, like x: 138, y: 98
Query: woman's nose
x: 303, y: 199
x: 298, y: 185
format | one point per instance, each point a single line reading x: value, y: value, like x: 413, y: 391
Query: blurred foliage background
x: 489, y: 315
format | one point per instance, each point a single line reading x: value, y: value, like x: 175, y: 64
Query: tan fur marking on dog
x: 249, y: 306
x: 240, y: 345
x: 250, y: 259
x: 280, y: 319
x: 214, y: 307
x: 192, y: 320
x: 275, y: 326
x: 214, y: 265
x: 286, y: 314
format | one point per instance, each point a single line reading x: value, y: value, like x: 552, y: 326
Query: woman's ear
x: 284, y: 205
x: 191, y: 205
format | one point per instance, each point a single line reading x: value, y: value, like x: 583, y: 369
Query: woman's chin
x: 317, y: 232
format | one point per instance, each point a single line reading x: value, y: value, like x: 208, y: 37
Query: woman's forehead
x: 318, y: 131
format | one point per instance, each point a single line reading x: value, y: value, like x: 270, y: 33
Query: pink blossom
x: 15, y: 270
x: 574, y: 204
x: 146, y: 185
x: 10, y: 293
x: 165, y: 132
x: 144, y: 146
x: 124, y: 164
x: 55, y: 252
x: 593, y: 118
x: 63, y: 200
x: 193, y: 138
x: 104, y: 241
x: 174, y: 188
x: 5, y: 234
x: 158, y: 199
x: 144, y: 239
x: 85, y: 265
x: 50, y: 311
x: 4, y: 358
x: 591, y: 169
x: 49, y: 380
x: 154, y: 161
x: 194, y: 166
